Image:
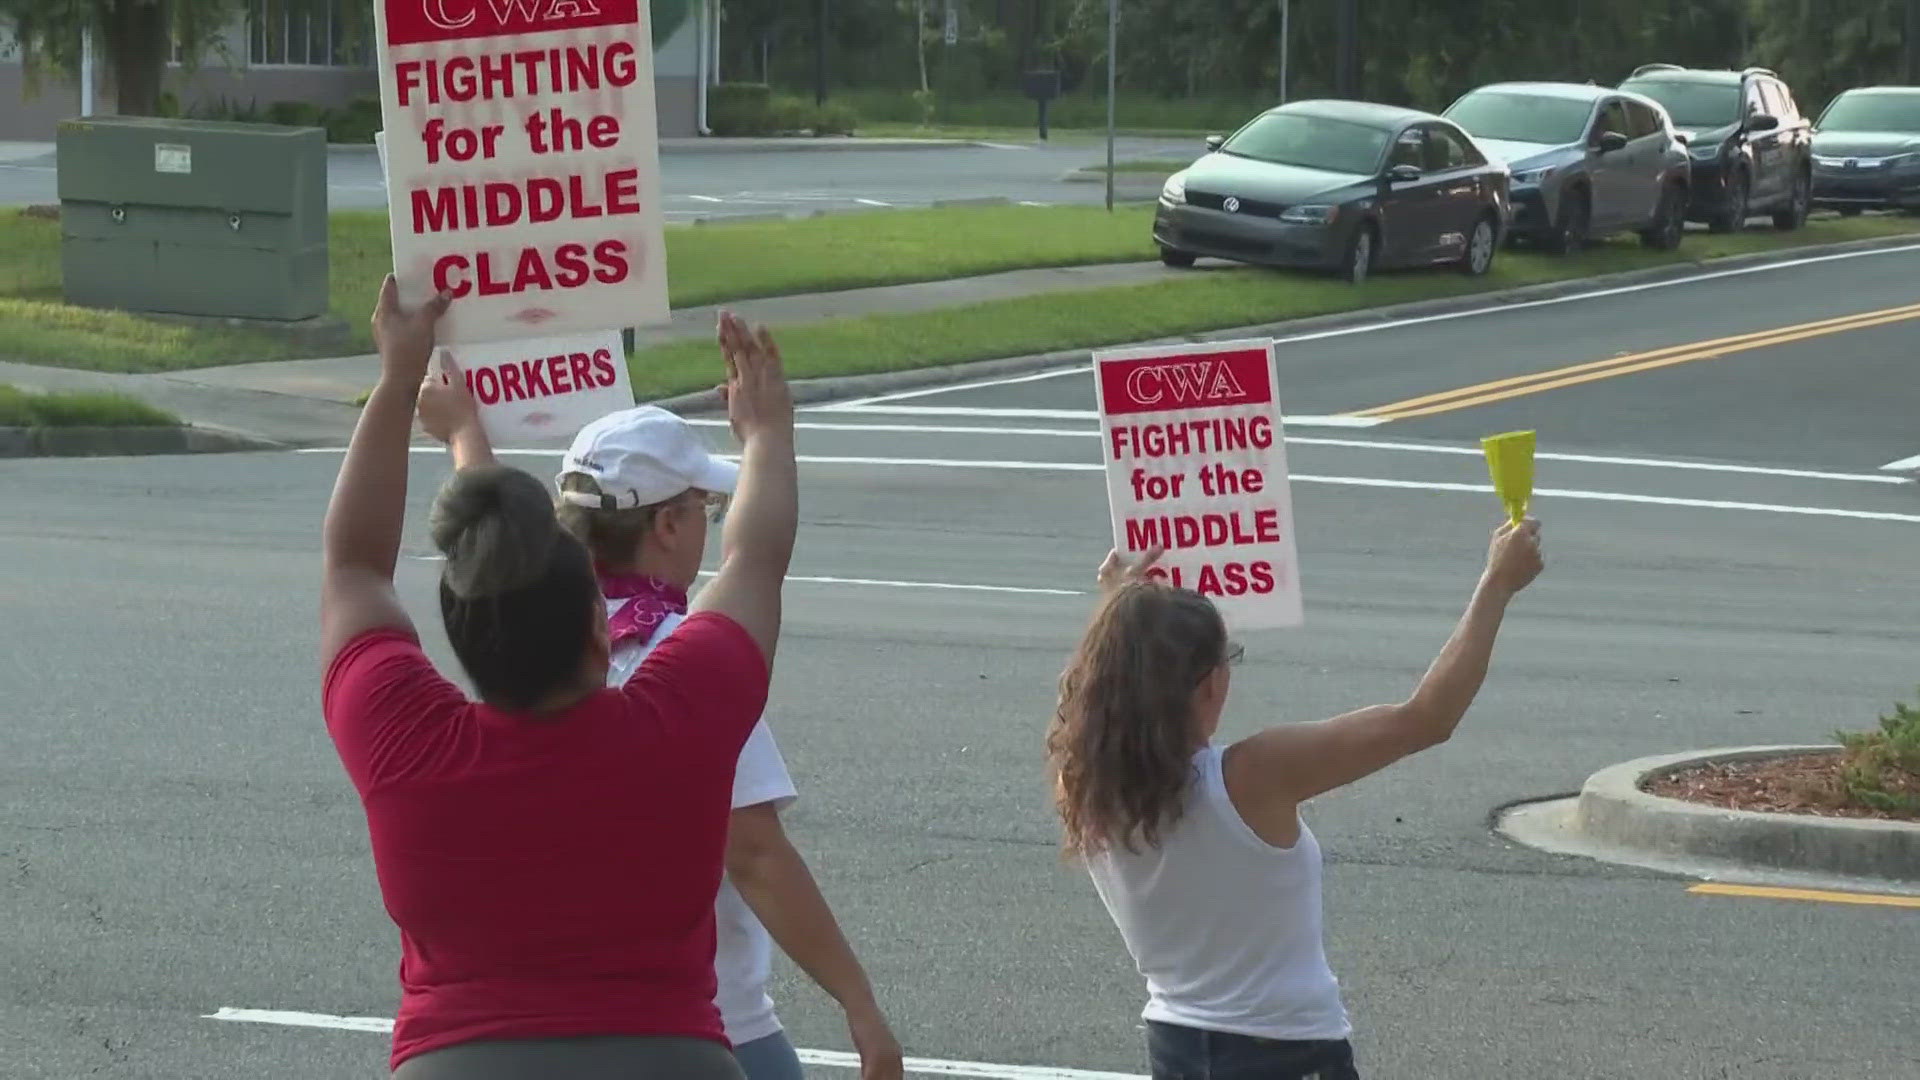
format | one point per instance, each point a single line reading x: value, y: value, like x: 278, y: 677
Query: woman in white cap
x: 639, y: 487
x: 549, y: 853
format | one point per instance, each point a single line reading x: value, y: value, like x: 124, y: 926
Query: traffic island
x: 1617, y: 818
x: 91, y: 424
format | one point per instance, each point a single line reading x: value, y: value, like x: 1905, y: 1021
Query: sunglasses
x: 1235, y: 653
x: 715, y: 503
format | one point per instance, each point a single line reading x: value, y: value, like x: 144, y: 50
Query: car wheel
x: 1849, y: 211
x: 1481, y: 244
x: 1570, y: 232
x: 1794, y: 214
x: 1669, y: 221
x: 1733, y: 213
x: 1360, y: 255
x: 1176, y: 258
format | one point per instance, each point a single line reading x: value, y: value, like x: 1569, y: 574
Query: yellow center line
x: 1535, y: 382
x: 1768, y: 892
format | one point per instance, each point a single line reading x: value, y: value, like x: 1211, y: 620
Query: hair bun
x: 496, y: 527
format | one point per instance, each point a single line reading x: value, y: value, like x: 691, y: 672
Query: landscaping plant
x: 1881, y: 769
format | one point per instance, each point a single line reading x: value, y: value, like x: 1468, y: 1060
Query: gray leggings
x: 594, y: 1058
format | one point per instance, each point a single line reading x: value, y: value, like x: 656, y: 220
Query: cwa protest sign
x: 548, y: 388
x: 1196, y: 463
x: 523, y: 163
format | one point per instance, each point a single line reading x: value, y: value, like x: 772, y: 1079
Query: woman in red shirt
x: 551, y: 852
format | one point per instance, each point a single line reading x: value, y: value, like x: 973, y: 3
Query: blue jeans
x: 1185, y: 1053
x: 769, y: 1058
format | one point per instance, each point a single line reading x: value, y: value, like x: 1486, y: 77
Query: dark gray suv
x: 1587, y: 160
x: 1752, y: 148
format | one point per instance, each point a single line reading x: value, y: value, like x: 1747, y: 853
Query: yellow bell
x: 1510, y: 461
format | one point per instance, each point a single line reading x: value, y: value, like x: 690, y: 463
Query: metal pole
x: 1286, y: 44
x: 1346, y: 60
x: 820, y: 52
x: 1113, y: 65
x: 86, y: 71
x: 1913, y: 41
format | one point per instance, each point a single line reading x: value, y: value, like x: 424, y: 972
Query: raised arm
x: 360, y: 540
x: 449, y: 414
x: 756, y: 545
x: 1269, y: 774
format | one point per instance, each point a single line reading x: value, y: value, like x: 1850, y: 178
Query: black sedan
x: 1866, y: 150
x: 1338, y: 185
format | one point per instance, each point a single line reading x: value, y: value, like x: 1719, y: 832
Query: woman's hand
x: 447, y: 409
x: 1117, y: 571
x: 405, y: 338
x: 1513, y: 558
x: 759, y: 401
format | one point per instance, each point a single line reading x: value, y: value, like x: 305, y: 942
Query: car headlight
x: 1175, y: 191
x: 1532, y: 176
x: 1828, y: 162
x: 1310, y: 215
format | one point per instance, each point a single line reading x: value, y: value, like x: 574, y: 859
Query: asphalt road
x: 176, y: 835
x: 726, y: 183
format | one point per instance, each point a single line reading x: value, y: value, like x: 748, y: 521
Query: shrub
x: 834, y: 118
x: 23, y: 408
x: 354, y: 122
x: 1881, y: 769
x: 294, y: 114
x: 736, y: 109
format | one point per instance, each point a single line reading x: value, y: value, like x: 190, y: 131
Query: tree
x: 134, y: 37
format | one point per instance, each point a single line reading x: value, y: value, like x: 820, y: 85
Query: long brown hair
x: 1122, y: 740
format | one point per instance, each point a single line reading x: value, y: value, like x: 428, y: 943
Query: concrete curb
x: 1613, y: 809
x: 124, y: 441
x: 838, y: 387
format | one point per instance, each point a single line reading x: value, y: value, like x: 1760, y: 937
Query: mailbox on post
x: 194, y: 217
x: 1043, y: 87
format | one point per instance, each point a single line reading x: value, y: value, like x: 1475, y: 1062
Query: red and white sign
x: 547, y: 389
x: 1197, y: 463
x: 522, y: 161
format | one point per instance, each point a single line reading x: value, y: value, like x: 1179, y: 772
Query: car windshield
x: 1873, y: 112
x: 1693, y: 104
x: 1311, y: 142
x: 1522, y: 117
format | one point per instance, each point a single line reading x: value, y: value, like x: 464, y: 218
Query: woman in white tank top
x: 1198, y: 851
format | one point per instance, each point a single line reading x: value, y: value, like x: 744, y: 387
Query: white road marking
x: 1067, y: 414
x: 1492, y: 308
x: 1366, y: 444
x: 1910, y: 464
x: 858, y: 404
x: 705, y: 198
x: 831, y: 1058
x: 872, y: 202
x: 1303, y: 478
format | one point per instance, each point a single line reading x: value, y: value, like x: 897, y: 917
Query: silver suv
x: 1587, y: 161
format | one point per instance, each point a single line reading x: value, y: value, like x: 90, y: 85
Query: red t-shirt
x: 550, y: 875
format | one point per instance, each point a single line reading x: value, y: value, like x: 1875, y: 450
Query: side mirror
x: 1762, y: 122
x: 1215, y: 142
x: 1403, y: 174
x: 1610, y: 141
x: 1681, y: 138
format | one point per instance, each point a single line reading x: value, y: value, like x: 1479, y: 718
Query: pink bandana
x: 649, y: 601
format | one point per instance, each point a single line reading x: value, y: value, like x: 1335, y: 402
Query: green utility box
x: 194, y: 217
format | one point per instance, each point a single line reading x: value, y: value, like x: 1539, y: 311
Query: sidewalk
x: 311, y: 401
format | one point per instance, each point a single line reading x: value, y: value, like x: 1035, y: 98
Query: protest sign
x: 548, y: 388
x: 523, y: 164
x: 1196, y: 463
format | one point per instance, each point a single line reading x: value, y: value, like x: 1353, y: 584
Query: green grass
x: 24, y: 408
x: 1207, y: 301
x: 1134, y: 112
x: 1028, y: 133
x: 706, y: 265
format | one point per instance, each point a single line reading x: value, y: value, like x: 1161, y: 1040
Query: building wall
x: 676, y: 86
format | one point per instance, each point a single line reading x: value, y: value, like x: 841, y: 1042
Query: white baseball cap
x: 642, y: 456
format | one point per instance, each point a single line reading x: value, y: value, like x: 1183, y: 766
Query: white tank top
x: 1224, y: 926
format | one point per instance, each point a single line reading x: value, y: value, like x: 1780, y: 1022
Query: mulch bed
x: 1798, y: 784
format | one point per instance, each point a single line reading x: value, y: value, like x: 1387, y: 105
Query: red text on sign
x: 1227, y: 579
x: 545, y: 376
x: 554, y: 132
x: 541, y: 199
x: 568, y: 267
x: 1185, y: 437
x: 1161, y: 384
x: 530, y: 72
x: 1180, y: 531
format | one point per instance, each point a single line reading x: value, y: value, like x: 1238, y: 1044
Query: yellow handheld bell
x: 1510, y: 461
